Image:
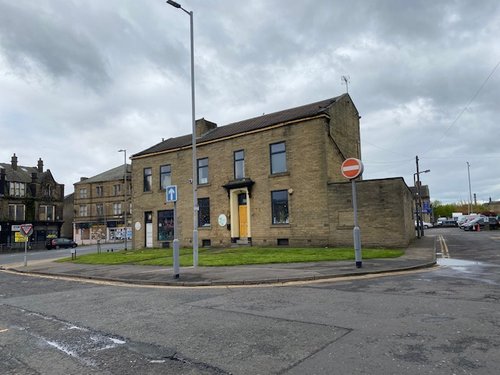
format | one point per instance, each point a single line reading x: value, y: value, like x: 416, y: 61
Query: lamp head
x: 174, y: 4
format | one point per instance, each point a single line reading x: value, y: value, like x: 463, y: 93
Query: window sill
x: 205, y: 227
x: 281, y: 226
x: 281, y: 174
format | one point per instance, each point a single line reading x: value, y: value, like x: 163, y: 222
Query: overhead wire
x: 463, y: 109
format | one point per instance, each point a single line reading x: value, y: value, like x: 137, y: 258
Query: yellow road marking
x: 444, y: 247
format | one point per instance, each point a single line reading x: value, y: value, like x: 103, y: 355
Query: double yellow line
x: 444, y: 247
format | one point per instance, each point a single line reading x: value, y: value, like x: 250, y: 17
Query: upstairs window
x: 279, y: 199
x: 239, y: 164
x: 16, y: 212
x: 202, y: 171
x: 83, y: 211
x: 46, y: 213
x: 83, y: 193
x: 278, y: 157
x: 99, y: 191
x: 148, y: 179
x: 117, y: 189
x: 99, y: 209
x: 47, y: 191
x: 17, y: 189
x: 117, y: 208
x: 165, y: 176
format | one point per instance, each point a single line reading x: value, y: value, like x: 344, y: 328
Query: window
x: 204, y: 212
x: 17, y: 189
x: 165, y: 225
x: 98, y: 191
x: 279, y: 200
x: 117, y: 208
x: 239, y: 164
x: 117, y: 189
x: 99, y: 209
x: 46, y: 213
x: 83, y: 210
x: 47, y: 191
x: 203, y: 171
x: 165, y: 176
x: 83, y: 193
x: 148, y: 179
x: 16, y: 212
x: 278, y: 158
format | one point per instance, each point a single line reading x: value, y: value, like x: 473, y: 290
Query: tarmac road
x: 441, y: 320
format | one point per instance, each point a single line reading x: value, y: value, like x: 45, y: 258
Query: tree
x: 447, y: 210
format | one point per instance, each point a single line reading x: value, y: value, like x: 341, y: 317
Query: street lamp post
x: 125, y: 193
x: 418, y: 201
x: 470, y: 190
x: 193, y: 123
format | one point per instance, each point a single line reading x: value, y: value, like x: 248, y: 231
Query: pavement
x: 421, y: 253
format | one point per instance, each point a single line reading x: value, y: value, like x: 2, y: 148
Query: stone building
x: 29, y: 195
x: 68, y: 216
x: 101, y: 204
x: 426, y: 210
x: 270, y: 180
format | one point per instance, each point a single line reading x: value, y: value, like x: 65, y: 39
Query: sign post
x: 352, y: 168
x: 171, y: 196
x: 26, y: 230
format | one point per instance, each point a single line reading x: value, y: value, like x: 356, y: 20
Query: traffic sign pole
x: 171, y: 196
x: 352, y: 168
x: 356, y: 233
x: 175, y: 245
x: 26, y: 230
x: 26, y: 253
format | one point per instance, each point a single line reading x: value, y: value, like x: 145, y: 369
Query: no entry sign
x: 352, y: 168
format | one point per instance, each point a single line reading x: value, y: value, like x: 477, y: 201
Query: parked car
x: 482, y: 222
x: 425, y: 224
x: 493, y: 222
x: 473, y: 224
x: 465, y: 220
x: 57, y: 243
x: 446, y: 223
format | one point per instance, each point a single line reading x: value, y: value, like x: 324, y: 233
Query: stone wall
x: 384, y: 213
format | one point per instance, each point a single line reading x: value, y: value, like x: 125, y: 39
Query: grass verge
x: 232, y: 256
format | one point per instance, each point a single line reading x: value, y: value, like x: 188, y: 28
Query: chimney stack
x: 13, y: 162
x: 203, y: 127
x: 40, y: 165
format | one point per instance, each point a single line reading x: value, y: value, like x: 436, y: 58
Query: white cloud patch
x: 82, y: 79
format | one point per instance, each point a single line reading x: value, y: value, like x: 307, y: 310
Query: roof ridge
x: 243, y: 126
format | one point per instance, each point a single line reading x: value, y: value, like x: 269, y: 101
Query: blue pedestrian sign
x: 171, y: 193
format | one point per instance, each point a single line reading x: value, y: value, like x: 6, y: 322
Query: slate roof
x: 21, y: 174
x: 111, y: 175
x: 256, y: 123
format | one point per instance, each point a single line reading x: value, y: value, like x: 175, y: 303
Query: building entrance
x: 243, y: 215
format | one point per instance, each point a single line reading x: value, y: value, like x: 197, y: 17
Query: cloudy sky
x: 81, y: 79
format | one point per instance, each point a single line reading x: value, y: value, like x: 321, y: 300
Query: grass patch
x: 231, y: 256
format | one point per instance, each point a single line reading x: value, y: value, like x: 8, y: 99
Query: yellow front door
x: 243, y: 221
